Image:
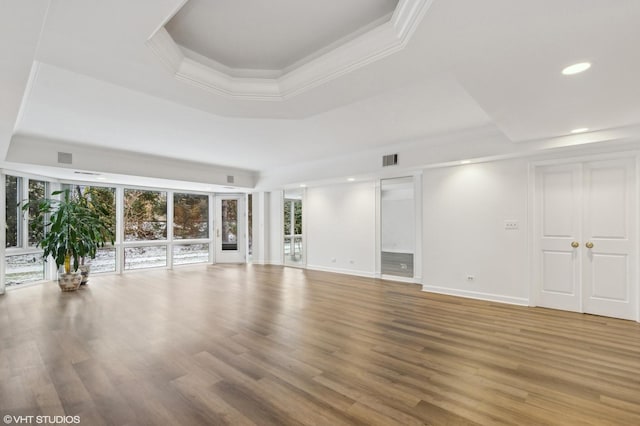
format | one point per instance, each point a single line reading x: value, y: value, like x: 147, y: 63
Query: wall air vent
x: 65, y: 158
x: 230, y: 179
x: 390, y: 160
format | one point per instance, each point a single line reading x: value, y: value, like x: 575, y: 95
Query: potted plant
x: 73, y: 229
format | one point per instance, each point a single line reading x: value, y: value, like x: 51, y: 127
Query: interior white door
x: 585, y: 228
x: 230, y: 229
x: 609, y: 243
x: 557, y: 224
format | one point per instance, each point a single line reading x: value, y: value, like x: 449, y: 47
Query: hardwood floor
x: 276, y: 346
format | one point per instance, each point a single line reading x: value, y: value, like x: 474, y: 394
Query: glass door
x: 293, y: 238
x: 230, y: 229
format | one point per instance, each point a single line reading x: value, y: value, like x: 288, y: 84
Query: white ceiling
x: 469, y: 65
x: 270, y: 35
x: 104, y: 114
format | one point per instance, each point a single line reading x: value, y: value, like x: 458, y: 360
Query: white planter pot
x: 69, y: 282
x: 84, y: 270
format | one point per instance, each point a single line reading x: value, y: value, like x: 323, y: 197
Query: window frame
x: 52, y: 184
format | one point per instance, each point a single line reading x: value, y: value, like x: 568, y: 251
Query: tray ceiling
x: 273, y: 35
x: 244, y: 49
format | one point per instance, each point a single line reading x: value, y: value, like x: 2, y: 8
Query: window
x: 190, y: 216
x: 229, y: 225
x: 12, y: 197
x: 23, y: 259
x: 145, y: 215
x: 37, y: 191
x: 145, y: 257
x: 104, y: 196
x: 293, y: 243
x: 144, y: 243
x: 24, y: 268
x: 184, y: 254
x: 105, y: 260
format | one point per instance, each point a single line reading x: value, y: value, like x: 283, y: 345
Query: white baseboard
x: 405, y: 280
x: 341, y: 271
x: 521, y: 301
x: 261, y: 262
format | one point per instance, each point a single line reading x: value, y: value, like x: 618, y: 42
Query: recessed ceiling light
x: 580, y: 130
x: 465, y: 162
x: 101, y: 178
x: 576, y: 68
x: 302, y: 185
x: 351, y: 179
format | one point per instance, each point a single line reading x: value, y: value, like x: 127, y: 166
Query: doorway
x: 398, y: 228
x: 292, y: 226
x: 230, y: 229
x: 585, y: 253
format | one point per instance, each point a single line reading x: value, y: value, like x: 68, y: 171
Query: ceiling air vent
x: 390, y: 160
x: 65, y: 158
x: 230, y: 179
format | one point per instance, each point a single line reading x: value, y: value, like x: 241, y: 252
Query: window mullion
x: 3, y: 238
x: 119, y: 230
x: 170, y: 222
x: 24, y: 214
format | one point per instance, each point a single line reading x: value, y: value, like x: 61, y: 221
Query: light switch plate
x: 511, y: 225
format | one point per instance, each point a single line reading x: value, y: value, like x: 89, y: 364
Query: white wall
x: 44, y: 152
x: 260, y: 231
x: 267, y: 228
x: 464, y: 210
x: 276, y: 218
x: 341, y: 226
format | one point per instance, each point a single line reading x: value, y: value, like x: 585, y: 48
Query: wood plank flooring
x: 267, y: 345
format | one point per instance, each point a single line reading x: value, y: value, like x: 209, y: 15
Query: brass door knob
x: 575, y: 244
x: 589, y: 245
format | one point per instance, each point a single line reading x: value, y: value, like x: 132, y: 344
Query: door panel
x: 607, y: 202
x: 557, y: 226
x: 559, y: 210
x: 230, y: 229
x: 610, y: 277
x: 609, y: 272
x: 293, y: 237
x: 592, y: 205
x: 559, y: 275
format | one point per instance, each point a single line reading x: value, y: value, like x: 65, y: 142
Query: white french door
x: 585, y: 236
x: 229, y: 229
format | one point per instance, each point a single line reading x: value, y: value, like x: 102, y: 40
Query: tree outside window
x: 145, y: 215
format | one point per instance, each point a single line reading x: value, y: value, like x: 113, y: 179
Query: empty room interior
x: 296, y: 212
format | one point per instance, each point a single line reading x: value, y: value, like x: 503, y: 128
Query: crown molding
x: 370, y: 46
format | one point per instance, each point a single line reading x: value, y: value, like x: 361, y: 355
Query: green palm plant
x: 74, y: 228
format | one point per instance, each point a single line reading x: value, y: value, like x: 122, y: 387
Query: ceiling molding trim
x: 481, y: 144
x: 371, y: 46
x: 166, y: 49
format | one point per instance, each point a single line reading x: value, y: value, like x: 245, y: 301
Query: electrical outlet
x: 511, y: 225
x: 333, y: 260
x: 471, y: 277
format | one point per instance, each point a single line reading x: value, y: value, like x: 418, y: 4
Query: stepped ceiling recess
x: 306, y: 89
x: 270, y: 55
